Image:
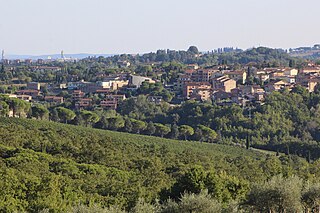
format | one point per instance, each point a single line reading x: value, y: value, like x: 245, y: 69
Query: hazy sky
x: 138, y: 26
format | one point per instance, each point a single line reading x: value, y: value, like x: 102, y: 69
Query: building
x: 238, y: 75
x: 28, y: 61
x: 290, y: 72
x: 201, y: 94
x: 251, y: 89
x: 45, y: 69
x: 32, y: 93
x: 109, y: 104
x: 277, y: 85
x: 117, y: 98
x: 112, y: 101
x: 223, y: 83
x: 83, y: 103
x: 113, y: 83
x: 33, y: 86
x: 54, y: 99
x: 77, y: 94
x: 123, y: 64
x: 196, y: 89
x: 221, y: 95
x: 309, y: 81
x: 310, y: 69
x: 182, y: 80
x: 193, y: 66
x: 155, y: 99
x: 136, y: 81
x: 204, y: 75
x: 21, y: 97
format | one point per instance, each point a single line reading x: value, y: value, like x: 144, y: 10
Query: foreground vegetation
x: 57, y: 168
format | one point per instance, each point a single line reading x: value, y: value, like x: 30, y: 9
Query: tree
x: 193, y: 181
x: 192, y: 202
x: 19, y: 106
x: 89, y: 117
x: 292, y: 63
x: 4, y: 109
x: 65, y: 114
x: 115, y: 123
x: 53, y: 115
x: 161, y: 129
x: 311, y: 198
x: 205, y: 133
x: 186, y: 131
x: 279, y: 194
x: 174, y: 134
x: 128, y: 125
x: 39, y: 111
x: 151, y: 129
x: 138, y: 126
x: 193, y: 49
x: 143, y: 207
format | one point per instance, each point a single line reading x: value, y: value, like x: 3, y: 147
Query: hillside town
x: 220, y: 85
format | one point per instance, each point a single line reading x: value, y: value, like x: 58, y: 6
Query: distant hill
x: 55, y: 56
x: 306, y: 52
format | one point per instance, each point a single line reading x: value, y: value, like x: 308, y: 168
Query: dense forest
x: 52, y: 167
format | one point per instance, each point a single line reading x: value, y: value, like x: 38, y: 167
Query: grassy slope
x: 125, y: 151
x: 23, y: 130
x: 91, y: 165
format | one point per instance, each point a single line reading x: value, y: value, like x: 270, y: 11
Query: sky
x: 140, y: 26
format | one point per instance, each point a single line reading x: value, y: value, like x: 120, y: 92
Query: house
x: 75, y: 85
x: 277, y: 85
x: 238, y: 75
x: 109, y: 104
x: 290, y: 72
x: 83, y: 103
x: 32, y: 93
x: 123, y: 64
x: 77, y: 94
x: 197, y: 88
x: 28, y: 61
x: 33, y: 86
x: 113, y: 83
x: 223, y: 83
x: 259, y: 96
x: 252, y: 89
x: 201, y: 94
x: 290, y: 79
x: 264, y: 74
x: 103, y: 91
x: 155, y: 99
x: 21, y: 97
x: 220, y: 95
x: 309, y: 81
x: 204, y: 75
x: 45, y: 68
x: 54, y: 99
x: 182, y: 80
x: 136, y: 81
x: 112, y: 101
x: 193, y: 66
x: 310, y: 69
x: 117, y: 98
